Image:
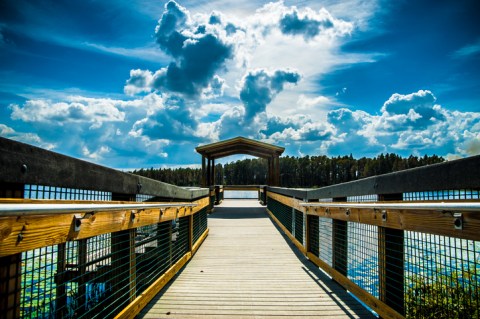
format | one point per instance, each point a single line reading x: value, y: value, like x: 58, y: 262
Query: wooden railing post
x: 11, y: 266
x: 12, y: 190
x: 190, y: 233
x: 391, y: 262
x: 340, y: 242
x: 60, y: 288
x: 82, y: 252
x: 124, y: 261
x: 217, y: 194
x: 311, y: 231
x: 123, y: 242
x: 306, y: 238
x: 10, y: 286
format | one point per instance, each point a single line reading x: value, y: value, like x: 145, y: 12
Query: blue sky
x: 140, y: 83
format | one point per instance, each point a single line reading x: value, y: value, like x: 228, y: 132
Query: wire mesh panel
x: 362, y: 265
x: 143, y: 197
x: 442, y: 276
x: 462, y: 194
x: 84, y: 277
x: 313, y: 234
x: 152, y: 253
x: 63, y: 193
x: 325, y: 229
x: 363, y: 198
x: 299, y: 223
x: 200, y: 224
x: 282, y: 212
x: 38, y: 283
x: 180, y: 244
x: 67, y: 280
x: 340, y: 246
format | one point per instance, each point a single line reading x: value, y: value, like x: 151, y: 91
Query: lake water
x: 240, y: 194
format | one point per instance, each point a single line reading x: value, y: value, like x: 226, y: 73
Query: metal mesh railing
x: 69, y: 280
x: 380, y: 249
x: 38, y: 282
x: 435, y: 276
x: 200, y: 224
x: 143, y: 197
x: 92, y: 278
x: 313, y: 234
x: 362, y: 265
x: 63, y: 193
x: 99, y: 276
x: 325, y: 226
x: 363, y: 198
x: 282, y: 212
x: 152, y: 251
x: 180, y: 241
x: 298, y: 226
x: 442, y: 276
x: 462, y: 194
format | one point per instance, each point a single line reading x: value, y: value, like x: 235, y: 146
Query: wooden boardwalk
x: 246, y: 269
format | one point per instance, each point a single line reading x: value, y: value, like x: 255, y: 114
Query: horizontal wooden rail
x: 80, y: 238
x: 133, y: 248
x: 21, y: 209
x: 23, y: 232
x: 457, y: 219
x: 429, y: 206
x: 383, y: 239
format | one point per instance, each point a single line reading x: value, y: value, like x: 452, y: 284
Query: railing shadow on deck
x: 228, y: 212
x: 325, y: 282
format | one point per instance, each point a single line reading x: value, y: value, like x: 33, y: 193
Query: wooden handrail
x: 24, y: 209
x: 457, y: 219
x: 419, y: 206
x: 25, y: 229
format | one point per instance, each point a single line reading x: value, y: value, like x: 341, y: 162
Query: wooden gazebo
x: 240, y: 145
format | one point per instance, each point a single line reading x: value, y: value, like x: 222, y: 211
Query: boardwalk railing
x: 407, y: 244
x: 78, y: 240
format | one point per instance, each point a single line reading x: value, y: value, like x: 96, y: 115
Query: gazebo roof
x: 239, y: 145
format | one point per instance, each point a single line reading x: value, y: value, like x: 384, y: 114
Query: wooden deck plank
x: 246, y: 269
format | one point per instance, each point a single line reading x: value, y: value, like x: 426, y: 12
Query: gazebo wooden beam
x: 240, y: 145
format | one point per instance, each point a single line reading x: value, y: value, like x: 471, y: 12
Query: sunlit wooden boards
x: 246, y: 269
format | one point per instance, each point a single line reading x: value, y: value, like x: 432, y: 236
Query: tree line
x: 307, y: 171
